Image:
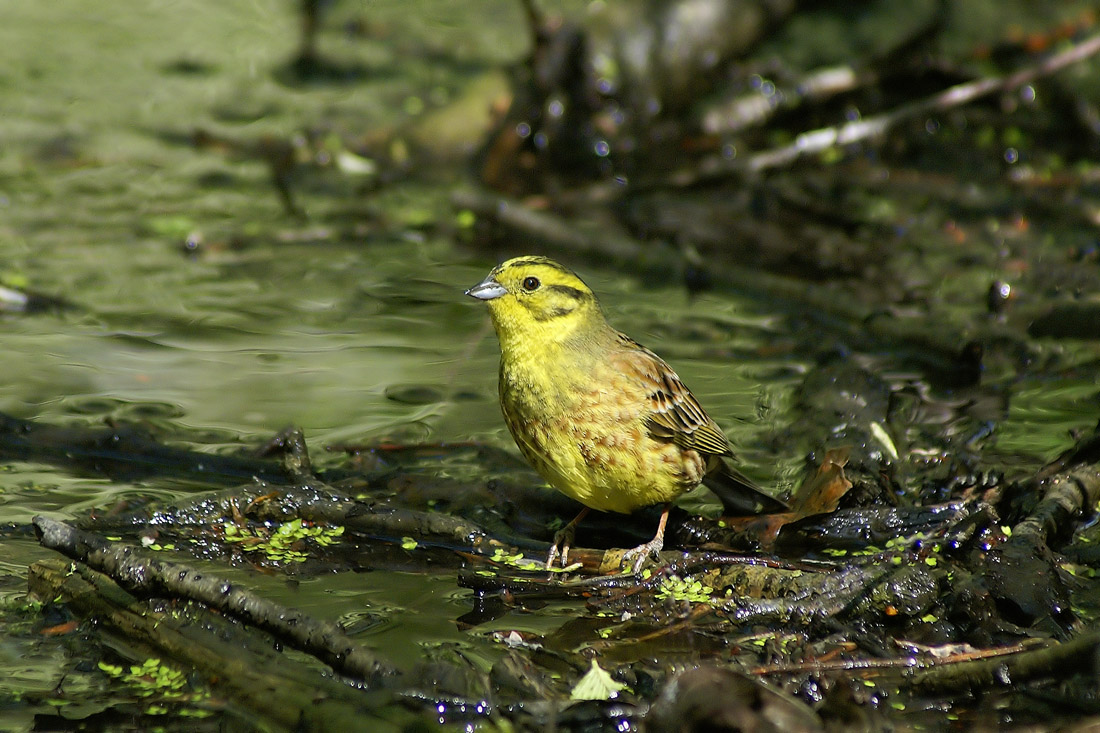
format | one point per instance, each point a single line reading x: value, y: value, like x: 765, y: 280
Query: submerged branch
x: 281, y: 693
x: 125, y: 453
x: 137, y: 572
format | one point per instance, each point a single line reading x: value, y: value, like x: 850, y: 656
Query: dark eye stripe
x: 571, y: 292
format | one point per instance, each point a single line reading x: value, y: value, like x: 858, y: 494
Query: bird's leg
x: 651, y: 548
x: 563, y: 538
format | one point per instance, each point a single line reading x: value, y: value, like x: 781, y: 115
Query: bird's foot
x: 563, y: 539
x: 643, y: 552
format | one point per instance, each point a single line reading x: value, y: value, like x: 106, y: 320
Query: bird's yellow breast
x: 582, y: 426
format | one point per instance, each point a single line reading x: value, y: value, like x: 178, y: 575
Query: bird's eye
x: 531, y: 284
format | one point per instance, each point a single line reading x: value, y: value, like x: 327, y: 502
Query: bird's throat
x: 546, y: 366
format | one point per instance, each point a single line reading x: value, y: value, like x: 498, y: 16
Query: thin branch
x: 1057, y: 660
x: 889, y: 665
x: 816, y: 141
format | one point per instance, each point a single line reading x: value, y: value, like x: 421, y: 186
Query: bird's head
x: 536, y: 298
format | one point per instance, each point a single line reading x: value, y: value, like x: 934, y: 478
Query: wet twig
x: 21, y: 300
x: 869, y: 668
x: 1022, y: 570
x: 1057, y: 661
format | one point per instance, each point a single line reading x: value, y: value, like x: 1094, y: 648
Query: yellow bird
x: 600, y: 417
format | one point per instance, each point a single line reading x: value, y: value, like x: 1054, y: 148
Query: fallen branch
x: 1058, y: 661
x: 869, y: 668
x: 281, y: 694
x: 1022, y: 570
x: 137, y: 572
x: 755, y: 109
x: 1066, y: 498
x: 317, y: 502
x: 817, y: 141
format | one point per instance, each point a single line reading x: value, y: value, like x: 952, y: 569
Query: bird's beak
x: 487, y: 289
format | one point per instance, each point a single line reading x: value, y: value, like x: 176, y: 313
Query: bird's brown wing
x: 675, y: 414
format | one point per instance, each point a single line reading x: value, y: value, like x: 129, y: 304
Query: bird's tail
x: 738, y: 494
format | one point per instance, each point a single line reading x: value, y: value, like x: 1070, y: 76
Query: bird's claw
x: 563, y: 538
x: 643, y: 552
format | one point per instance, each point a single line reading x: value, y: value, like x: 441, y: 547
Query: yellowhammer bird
x: 603, y: 419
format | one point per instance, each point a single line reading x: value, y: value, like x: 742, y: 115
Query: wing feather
x: 674, y: 413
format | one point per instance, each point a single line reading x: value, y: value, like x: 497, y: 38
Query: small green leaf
x: 112, y: 669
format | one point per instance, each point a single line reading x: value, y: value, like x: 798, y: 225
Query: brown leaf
x: 821, y: 493
x: 818, y: 494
